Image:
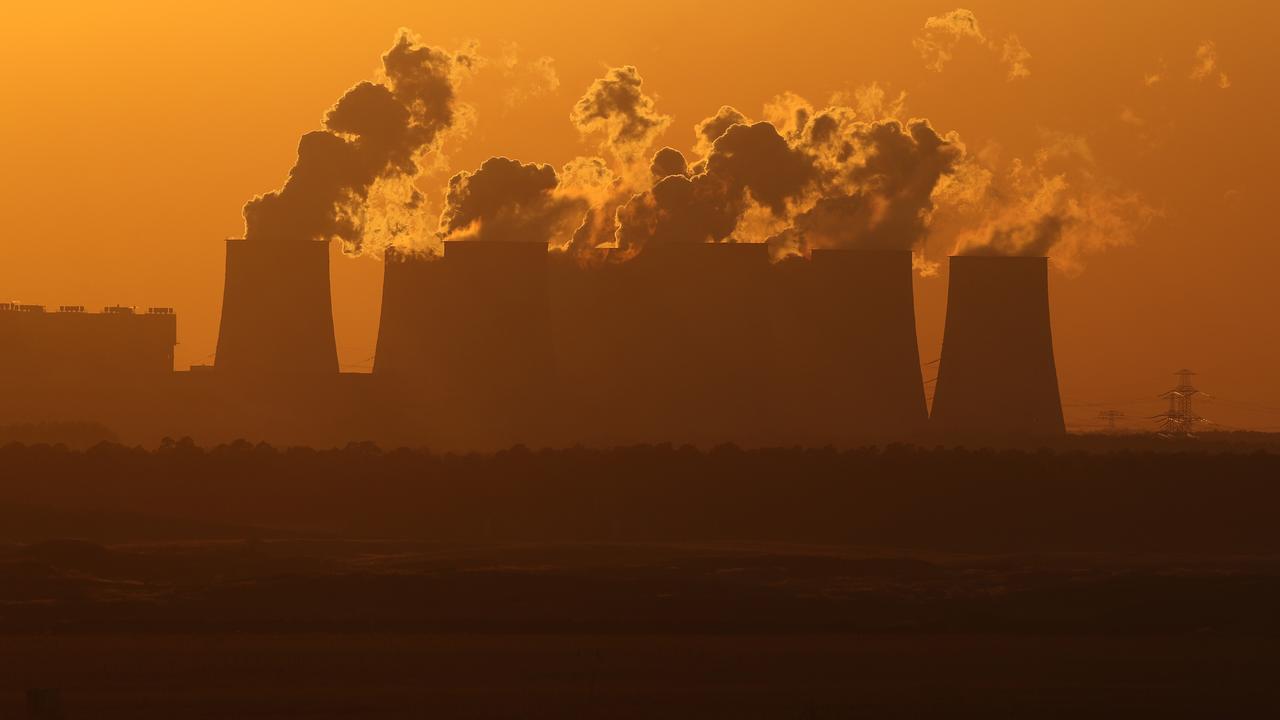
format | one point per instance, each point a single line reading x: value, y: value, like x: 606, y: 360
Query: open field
x: 409, y: 675
x: 329, y: 629
x: 648, y: 582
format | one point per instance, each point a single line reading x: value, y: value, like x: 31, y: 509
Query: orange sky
x: 134, y: 132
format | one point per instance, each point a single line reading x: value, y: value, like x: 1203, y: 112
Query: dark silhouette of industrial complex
x: 495, y: 343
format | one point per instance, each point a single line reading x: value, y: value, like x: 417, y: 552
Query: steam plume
x: 506, y: 200
x: 527, y: 79
x: 1206, y: 66
x: 668, y: 161
x: 942, y: 34
x: 710, y: 129
x: 377, y: 131
x: 878, y: 182
x: 748, y: 162
x: 616, y: 109
x: 807, y: 179
x: 1054, y: 204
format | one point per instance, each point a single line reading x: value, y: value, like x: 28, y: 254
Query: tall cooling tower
x: 591, y: 320
x: 700, y: 352
x: 413, y: 300
x: 497, y: 331
x: 277, y: 313
x: 997, y: 376
x: 851, y: 364
x: 464, y: 345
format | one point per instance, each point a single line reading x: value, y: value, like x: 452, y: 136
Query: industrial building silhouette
x: 496, y: 343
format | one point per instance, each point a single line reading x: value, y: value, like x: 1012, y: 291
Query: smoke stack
x: 277, y: 314
x: 997, y: 376
x: 851, y: 362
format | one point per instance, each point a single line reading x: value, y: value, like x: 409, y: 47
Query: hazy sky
x: 133, y: 133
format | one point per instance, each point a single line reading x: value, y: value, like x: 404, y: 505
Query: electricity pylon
x: 1110, y: 416
x: 1180, y: 419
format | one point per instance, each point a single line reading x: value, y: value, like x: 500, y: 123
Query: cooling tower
x: 277, y: 315
x: 700, y: 354
x: 495, y: 318
x: 590, y: 320
x: 997, y: 376
x: 464, y: 349
x: 409, y: 333
x: 851, y: 363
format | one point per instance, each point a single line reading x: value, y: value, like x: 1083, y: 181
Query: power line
x: 1243, y: 403
x: 1113, y: 403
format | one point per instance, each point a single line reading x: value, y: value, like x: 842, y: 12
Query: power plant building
x: 70, y: 344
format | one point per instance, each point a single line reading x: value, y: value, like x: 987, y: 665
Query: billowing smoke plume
x: 840, y: 177
x: 855, y: 174
x: 625, y: 121
x: 506, y: 200
x: 879, y: 182
x: 1054, y: 204
x: 805, y: 179
x: 668, y: 161
x: 942, y: 34
x: 710, y: 129
x: 617, y: 111
x: 378, y: 131
x: 747, y: 163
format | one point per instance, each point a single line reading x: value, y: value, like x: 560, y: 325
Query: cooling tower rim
x: 495, y: 243
x: 393, y: 255
x: 243, y: 239
x: 870, y: 255
x: 488, y: 248
x: 723, y: 248
x: 999, y: 258
x: 860, y: 251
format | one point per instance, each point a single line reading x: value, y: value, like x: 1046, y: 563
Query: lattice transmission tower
x: 1180, y: 419
x: 1110, y: 417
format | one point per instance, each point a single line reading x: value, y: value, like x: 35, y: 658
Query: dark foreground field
x: 648, y: 583
x: 332, y: 629
x: 409, y: 675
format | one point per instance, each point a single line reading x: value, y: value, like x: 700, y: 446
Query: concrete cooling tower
x: 413, y: 301
x: 845, y: 320
x: 997, y: 376
x: 591, y: 319
x: 277, y: 314
x: 700, y: 353
x: 464, y: 344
